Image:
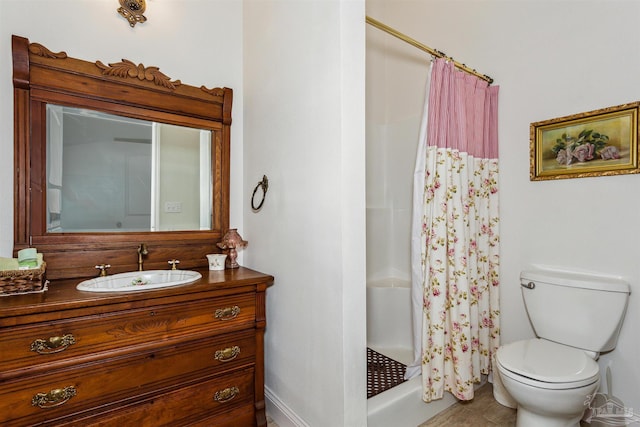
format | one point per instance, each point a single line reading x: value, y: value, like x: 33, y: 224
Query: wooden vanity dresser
x: 188, y: 355
x: 181, y: 356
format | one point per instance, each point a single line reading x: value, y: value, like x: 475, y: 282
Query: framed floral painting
x: 595, y: 143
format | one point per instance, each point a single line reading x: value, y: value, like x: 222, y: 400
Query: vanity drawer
x: 244, y: 416
x: 223, y: 401
x: 30, y: 347
x: 122, y: 379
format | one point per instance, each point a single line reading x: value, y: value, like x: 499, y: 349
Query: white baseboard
x: 280, y: 412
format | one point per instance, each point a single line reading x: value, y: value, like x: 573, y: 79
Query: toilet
x: 553, y: 377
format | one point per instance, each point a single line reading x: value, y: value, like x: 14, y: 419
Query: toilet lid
x: 547, y: 361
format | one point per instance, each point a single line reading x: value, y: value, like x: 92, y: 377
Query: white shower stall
x: 390, y: 156
x: 396, y: 78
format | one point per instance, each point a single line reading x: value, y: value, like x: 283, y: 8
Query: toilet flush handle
x: 529, y: 285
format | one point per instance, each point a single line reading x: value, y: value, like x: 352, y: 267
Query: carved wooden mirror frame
x: 41, y: 76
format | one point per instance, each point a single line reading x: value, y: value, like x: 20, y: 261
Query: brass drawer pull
x: 228, y: 354
x: 53, y: 344
x: 227, y: 313
x: 226, y: 395
x: 54, y: 398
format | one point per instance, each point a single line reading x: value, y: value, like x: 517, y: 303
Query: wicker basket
x: 16, y: 282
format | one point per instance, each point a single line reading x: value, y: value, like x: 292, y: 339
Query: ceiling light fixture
x: 133, y: 10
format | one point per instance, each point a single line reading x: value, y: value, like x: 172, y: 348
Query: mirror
x: 111, y: 173
x: 108, y: 156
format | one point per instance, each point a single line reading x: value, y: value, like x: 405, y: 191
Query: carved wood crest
x: 127, y: 68
x: 38, y: 49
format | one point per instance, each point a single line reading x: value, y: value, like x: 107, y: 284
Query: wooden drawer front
x: 29, y: 346
x: 119, y: 379
x: 188, y: 406
x: 244, y: 416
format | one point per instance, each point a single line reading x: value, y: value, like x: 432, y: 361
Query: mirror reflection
x: 109, y: 173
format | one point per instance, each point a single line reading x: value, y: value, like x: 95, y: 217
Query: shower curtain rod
x: 379, y: 25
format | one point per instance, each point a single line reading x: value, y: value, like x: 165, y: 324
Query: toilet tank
x: 577, y: 309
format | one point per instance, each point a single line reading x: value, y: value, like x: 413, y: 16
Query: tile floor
x: 482, y: 411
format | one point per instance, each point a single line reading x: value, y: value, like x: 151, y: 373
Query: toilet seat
x: 545, y: 364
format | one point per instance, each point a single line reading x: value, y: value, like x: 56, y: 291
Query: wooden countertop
x: 62, y: 296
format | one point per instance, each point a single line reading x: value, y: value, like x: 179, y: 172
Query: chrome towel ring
x: 265, y: 186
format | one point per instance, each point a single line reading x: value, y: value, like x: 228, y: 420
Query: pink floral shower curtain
x: 456, y: 248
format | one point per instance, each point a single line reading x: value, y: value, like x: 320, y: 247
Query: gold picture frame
x: 596, y: 143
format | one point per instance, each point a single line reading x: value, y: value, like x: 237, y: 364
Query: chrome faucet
x: 142, y: 250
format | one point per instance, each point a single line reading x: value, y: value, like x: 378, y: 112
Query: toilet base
x: 538, y: 407
x: 526, y: 418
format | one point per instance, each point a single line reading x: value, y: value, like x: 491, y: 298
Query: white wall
x: 551, y: 58
x: 196, y: 41
x: 180, y: 176
x: 304, y: 129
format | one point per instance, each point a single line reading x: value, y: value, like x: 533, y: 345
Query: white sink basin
x: 139, y: 281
